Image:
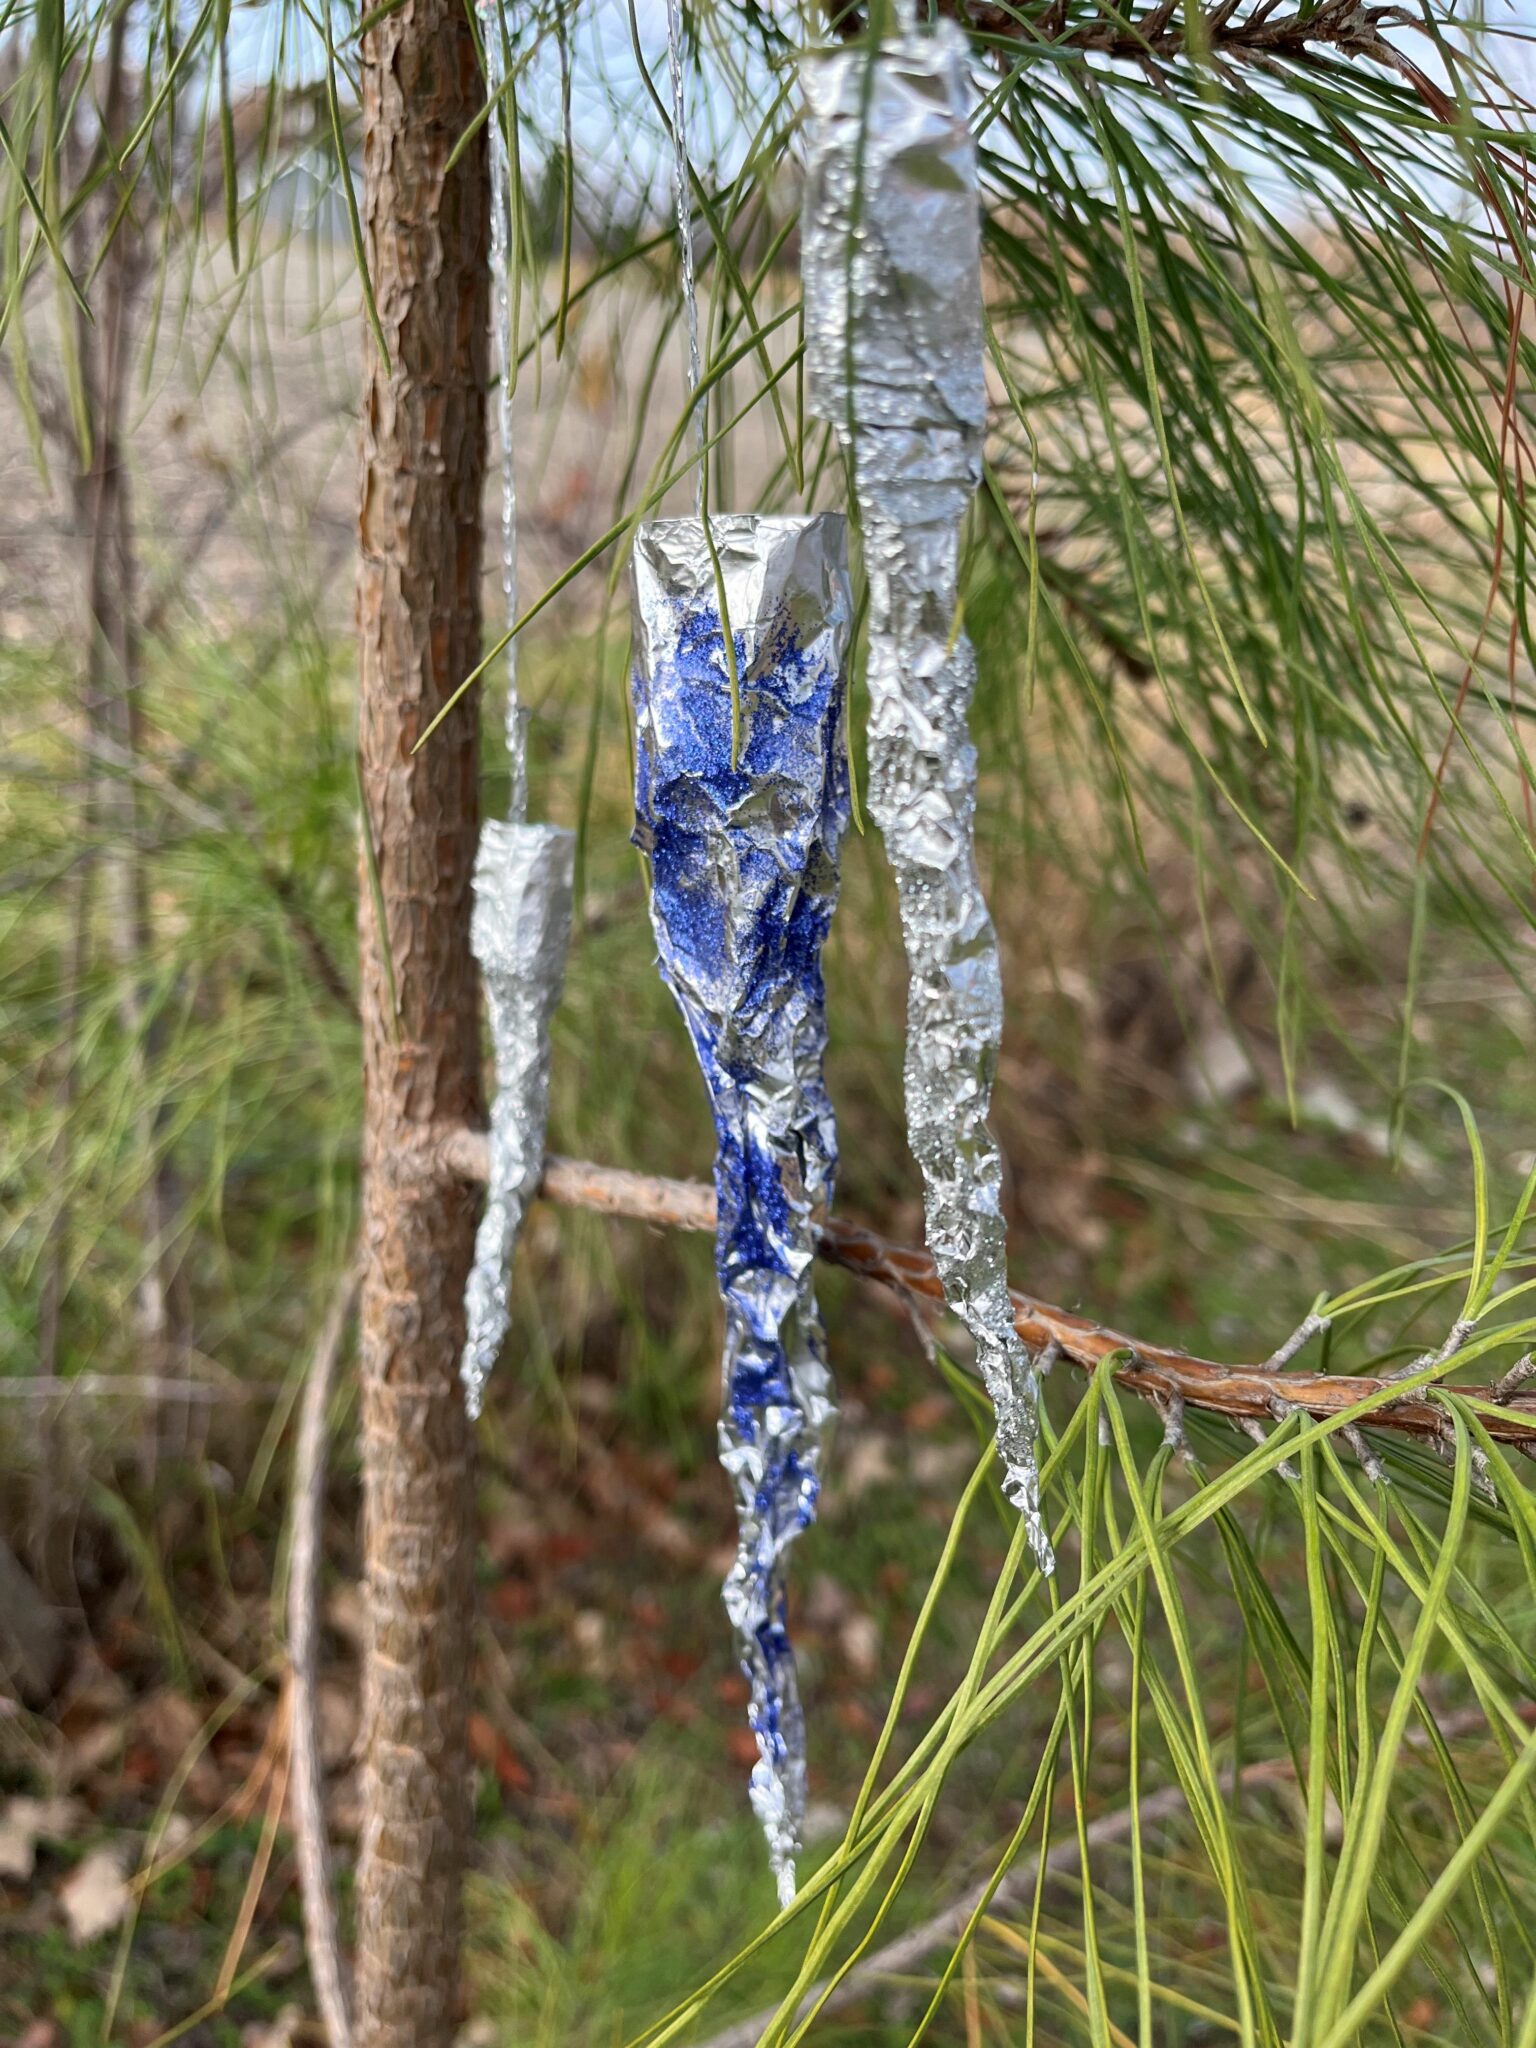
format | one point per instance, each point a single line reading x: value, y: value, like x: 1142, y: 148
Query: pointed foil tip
x: 521, y: 932
x: 891, y: 253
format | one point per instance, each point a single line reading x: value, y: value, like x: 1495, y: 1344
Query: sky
x: 621, y: 147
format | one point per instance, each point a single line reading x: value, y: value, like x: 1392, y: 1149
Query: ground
x: 1161, y: 1175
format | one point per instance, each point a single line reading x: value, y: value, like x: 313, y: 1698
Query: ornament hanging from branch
x: 521, y: 924
x: 891, y: 262
x: 741, y: 798
x: 743, y: 841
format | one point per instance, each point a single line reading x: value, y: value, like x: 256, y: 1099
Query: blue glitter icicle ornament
x: 744, y: 874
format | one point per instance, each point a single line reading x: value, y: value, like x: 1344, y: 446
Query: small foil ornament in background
x: 520, y: 929
x: 891, y: 259
x: 744, y: 876
x: 521, y: 924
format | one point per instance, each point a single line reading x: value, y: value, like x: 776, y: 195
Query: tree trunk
x: 114, y: 717
x: 114, y: 713
x: 418, y: 603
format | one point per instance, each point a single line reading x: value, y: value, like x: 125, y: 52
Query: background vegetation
x: 1247, y: 580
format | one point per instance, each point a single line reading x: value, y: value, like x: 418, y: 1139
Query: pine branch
x: 1342, y: 28
x: 1172, y: 1380
x: 995, y: 1896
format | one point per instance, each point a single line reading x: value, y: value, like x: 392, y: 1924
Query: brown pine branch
x: 1172, y: 1380
x: 1341, y: 28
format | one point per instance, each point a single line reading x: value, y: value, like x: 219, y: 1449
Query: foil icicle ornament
x: 744, y: 877
x: 890, y: 238
x: 520, y: 927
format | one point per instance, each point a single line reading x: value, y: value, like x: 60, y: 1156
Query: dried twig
x: 1516, y: 1377
x: 1311, y: 1325
x: 312, y: 1848
x: 277, y: 1792
x: 1442, y: 1355
x: 1154, y: 1372
x: 1370, y: 1464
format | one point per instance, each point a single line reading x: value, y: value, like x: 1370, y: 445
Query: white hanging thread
x: 502, y: 254
x: 682, y: 200
x: 520, y: 927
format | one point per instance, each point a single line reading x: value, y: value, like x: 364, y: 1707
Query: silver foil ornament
x: 520, y: 929
x: 743, y: 857
x: 891, y: 258
x: 524, y: 874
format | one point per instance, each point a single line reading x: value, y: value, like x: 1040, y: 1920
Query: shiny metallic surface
x: 890, y: 239
x: 744, y: 878
x: 520, y: 930
x: 521, y: 924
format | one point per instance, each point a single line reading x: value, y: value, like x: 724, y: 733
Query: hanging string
x: 682, y: 200
x: 503, y: 255
x: 520, y: 927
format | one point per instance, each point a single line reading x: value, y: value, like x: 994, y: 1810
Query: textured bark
x: 423, y: 465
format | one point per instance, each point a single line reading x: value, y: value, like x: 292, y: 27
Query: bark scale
x: 418, y: 614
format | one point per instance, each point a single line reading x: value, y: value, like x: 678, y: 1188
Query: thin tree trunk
x: 113, y: 710
x: 113, y: 707
x: 423, y: 468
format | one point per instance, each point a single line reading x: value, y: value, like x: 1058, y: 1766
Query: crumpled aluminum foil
x: 890, y: 239
x: 524, y: 881
x: 744, y: 877
x: 520, y: 930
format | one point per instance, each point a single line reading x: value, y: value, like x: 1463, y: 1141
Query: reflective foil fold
x: 744, y: 877
x: 520, y: 930
x: 890, y: 239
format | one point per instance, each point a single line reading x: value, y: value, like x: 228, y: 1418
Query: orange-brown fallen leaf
x: 490, y: 1748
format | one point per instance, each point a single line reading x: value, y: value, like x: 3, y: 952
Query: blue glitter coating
x: 744, y: 876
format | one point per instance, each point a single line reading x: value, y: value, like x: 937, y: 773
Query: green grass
x: 1251, y: 515
x: 176, y: 1950
x: 620, y: 1866
x: 615, y: 1856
